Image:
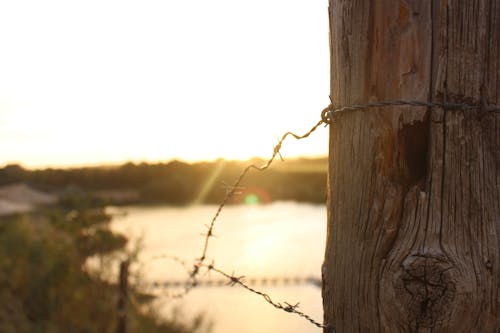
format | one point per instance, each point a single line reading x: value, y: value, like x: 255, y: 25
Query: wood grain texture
x: 413, y: 240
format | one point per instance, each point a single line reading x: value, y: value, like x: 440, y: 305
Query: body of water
x: 281, y: 239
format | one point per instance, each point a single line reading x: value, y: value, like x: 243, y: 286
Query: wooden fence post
x: 122, y: 298
x: 413, y: 239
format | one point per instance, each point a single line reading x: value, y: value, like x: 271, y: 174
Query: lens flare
x: 253, y: 195
x: 209, y: 182
x: 251, y: 199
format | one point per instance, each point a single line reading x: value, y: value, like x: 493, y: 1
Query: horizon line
x: 114, y: 164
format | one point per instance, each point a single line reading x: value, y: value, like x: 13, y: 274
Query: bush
x: 44, y: 286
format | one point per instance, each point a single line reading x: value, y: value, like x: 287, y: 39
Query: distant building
x: 19, y: 198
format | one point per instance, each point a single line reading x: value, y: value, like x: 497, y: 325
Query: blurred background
x: 122, y: 126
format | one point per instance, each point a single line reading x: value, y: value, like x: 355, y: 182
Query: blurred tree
x: 44, y: 285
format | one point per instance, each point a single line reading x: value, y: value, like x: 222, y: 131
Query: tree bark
x: 413, y: 240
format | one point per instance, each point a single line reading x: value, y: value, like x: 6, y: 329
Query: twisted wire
x: 328, y: 113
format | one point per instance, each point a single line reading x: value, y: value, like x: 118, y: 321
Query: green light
x: 251, y: 199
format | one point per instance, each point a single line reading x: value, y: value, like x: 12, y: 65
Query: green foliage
x: 44, y: 286
x: 41, y: 278
x: 84, y: 219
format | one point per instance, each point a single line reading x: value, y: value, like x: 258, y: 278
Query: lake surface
x: 277, y: 240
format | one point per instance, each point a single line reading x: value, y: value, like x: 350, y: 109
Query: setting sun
x: 112, y: 81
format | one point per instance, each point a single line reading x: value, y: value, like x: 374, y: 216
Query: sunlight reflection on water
x: 281, y: 239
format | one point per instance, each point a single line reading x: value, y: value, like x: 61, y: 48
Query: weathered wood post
x: 121, y: 326
x: 413, y: 239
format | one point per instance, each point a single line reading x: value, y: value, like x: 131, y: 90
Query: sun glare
x: 162, y: 80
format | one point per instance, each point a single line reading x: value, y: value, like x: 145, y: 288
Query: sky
x: 105, y: 82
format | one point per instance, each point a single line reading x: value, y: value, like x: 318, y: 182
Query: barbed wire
x: 237, y: 280
x: 328, y: 113
x: 188, y: 285
x: 287, y: 307
x: 261, y: 280
x: 327, y: 118
x: 231, y: 191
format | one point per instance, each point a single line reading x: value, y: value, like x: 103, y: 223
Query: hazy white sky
x: 101, y: 81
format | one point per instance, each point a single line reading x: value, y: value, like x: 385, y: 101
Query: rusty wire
x: 327, y: 118
x: 233, y: 280
x: 262, y: 281
x: 188, y: 285
x: 287, y: 307
x: 232, y: 189
x: 328, y: 113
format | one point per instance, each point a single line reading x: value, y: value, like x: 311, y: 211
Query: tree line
x: 177, y: 182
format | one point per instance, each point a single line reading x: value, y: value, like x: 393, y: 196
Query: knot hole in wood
x: 426, y: 288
